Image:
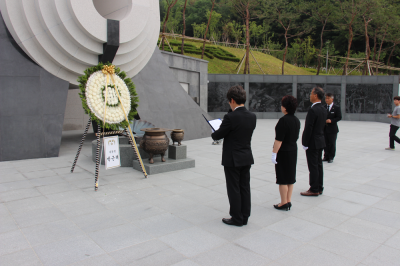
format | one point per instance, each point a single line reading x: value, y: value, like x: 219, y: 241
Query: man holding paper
x: 237, y: 129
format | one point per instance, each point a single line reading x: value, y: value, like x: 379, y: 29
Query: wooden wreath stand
x: 99, y: 135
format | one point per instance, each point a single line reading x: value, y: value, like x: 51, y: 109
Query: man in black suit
x: 331, y: 127
x: 313, y: 141
x: 237, y: 129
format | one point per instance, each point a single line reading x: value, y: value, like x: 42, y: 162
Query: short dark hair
x: 319, y: 91
x: 330, y: 95
x: 290, y: 103
x: 396, y: 98
x: 237, y: 93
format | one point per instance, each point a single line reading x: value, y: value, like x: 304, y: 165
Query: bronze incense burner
x: 155, y: 141
x: 177, y: 136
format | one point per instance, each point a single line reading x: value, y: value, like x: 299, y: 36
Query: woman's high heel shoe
x: 283, y: 207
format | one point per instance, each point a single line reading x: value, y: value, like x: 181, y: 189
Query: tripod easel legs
x: 80, y: 145
x: 96, y: 174
x: 134, y: 150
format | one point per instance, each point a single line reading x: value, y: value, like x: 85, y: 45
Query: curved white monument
x: 66, y: 36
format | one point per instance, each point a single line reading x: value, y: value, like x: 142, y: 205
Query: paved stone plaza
x: 51, y: 217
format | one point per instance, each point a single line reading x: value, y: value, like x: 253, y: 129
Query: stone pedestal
x: 177, y: 152
x: 125, y: 150
x: 177, y: 160
x: 167, y: 166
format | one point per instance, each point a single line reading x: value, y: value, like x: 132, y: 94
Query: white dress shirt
x: 238, y: 107
x: 330, y: 106
x: 315, y: 103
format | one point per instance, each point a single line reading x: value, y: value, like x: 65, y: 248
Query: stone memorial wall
x: 365, y: 98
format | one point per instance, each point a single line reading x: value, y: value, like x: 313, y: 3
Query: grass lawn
x: 269, y: 64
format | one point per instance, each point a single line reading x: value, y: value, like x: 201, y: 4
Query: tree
x: 184, y: 27
x: 286, y: 14
x: 368, y: 8
x: 349, y: 11
x: 208, y: 24
x: 246, y: 10
x: 170, y: 4
x: 320, y: 11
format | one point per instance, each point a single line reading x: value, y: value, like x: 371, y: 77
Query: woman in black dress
x: 284, y: 153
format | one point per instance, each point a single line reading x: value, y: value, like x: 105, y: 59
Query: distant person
x: 331, y: 127
x: 395, y: 124
x: 237, y: 129
x: 284, y: 152
x: 313, y: 141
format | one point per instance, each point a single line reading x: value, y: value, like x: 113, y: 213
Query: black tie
x: 327, y: 108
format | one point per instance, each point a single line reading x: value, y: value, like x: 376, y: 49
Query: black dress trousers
x: 238, y: 187
x: 330, y: 149
x: 314, y: 161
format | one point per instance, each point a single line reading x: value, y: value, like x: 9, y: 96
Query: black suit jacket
x: 313, y: 134
x: 236, y: 130
x: 335, y: 115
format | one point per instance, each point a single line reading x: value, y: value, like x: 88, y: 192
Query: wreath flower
x: 93, y: 92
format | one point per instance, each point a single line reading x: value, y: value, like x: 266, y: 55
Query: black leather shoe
x: 245, y: 220
x: 230, y: 222
x: 330, y: 161
x: 325, y: 159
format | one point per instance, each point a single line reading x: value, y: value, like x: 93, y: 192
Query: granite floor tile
x: 298, y: 229
x: 359, y: 198
x: 119, y: 237
x: 181, y: 186
x: 373, y: 190
x: 51, y: 232
x: 55, y: 188
x: 26, y: 257
x: 310, y: 255
x: 323, y: 217
x: 342, y: 206
x: 67, y: 197
x: 11, y: 177
x: 173, y: 203
x: 45, y: 181
x: 383, y: 256
x: 39, y: 216
x: 68, y: 251
x: 367, y: 230
x: 162, y: 224
x: 12, y: 241
x: 24, y: 205
x: 230, y: 233
x: 38, y: 174
x: 152, y: 193
x: 203, y: 194
x: 98, y: 220
x: 15, y: 185
x: 199, y: 214
x: 382, y: 217
x: 13, y: 195
x: 269, y: 244
x: 229, y: 254
x: 185, y: 263
x: 394, y: 241
x: 7, y: 223
x: 82, y: 207
x: 101, y: 260
x: 192, y: 241
x: 136, y: 211
x: 153, y: 252
x: 349, y: 246
x: 388, y: 205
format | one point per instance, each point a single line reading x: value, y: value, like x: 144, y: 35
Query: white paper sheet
x: 216, y: 123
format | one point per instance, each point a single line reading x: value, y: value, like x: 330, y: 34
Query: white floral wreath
x: 95, y: 96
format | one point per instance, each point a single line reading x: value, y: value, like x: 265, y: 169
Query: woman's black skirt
x: 286, y: 168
